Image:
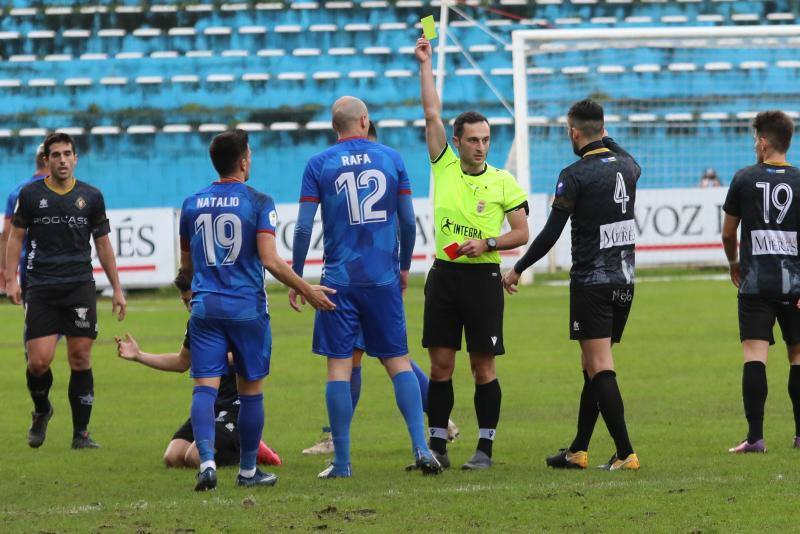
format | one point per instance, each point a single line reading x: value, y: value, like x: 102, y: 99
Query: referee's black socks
x: 487, y: 408
x: 609, y: 399
x: 440, y: 404
x: 81, y: 399
x: 754, y: 396
x: 588, y: 411
x: 794, y: 394
x: 39, y: 388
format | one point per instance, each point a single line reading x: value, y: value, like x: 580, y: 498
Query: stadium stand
x: 145, y: 85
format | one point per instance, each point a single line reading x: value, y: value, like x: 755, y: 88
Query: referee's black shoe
x: 38, y: 430
x: 259, y: 480
x: 206, y: 479
x: 564, y: 459
x: 82, y: 440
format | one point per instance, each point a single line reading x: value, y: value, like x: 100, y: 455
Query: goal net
x: 680, y: 100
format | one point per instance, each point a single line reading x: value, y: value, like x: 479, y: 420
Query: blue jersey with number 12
x: 218, y: 226
x: 357, y: 183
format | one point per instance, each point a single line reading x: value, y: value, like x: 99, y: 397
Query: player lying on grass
x: 182, y: 449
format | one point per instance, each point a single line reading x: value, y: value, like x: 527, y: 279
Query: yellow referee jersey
x: 470, y: 207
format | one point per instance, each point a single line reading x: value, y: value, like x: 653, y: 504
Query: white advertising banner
x: 145, y: 243
x: 672, y: 226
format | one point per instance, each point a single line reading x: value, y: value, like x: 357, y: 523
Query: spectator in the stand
x: 709, y: 178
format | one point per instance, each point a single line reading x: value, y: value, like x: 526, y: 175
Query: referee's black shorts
x: 468, y: 298
x: 68, y: 309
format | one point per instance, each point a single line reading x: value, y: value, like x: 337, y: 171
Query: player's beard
x: 575, y: 147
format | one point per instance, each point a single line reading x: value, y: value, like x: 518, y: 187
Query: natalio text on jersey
x: 217, y: 202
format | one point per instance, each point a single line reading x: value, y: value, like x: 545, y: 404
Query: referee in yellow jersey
x: 464, y: 291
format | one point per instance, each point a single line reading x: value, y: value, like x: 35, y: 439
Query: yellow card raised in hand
x: 429, y: 27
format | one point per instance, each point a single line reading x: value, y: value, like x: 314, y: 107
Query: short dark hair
x: 775, y: 126
x: 372, y: 132
x: 468, y: 117
x: 587, y: 117
x: 40, y: 158
x: 57, y: 137
x: 227, y: 149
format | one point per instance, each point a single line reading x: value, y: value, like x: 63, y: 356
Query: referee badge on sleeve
x: 481, y: 206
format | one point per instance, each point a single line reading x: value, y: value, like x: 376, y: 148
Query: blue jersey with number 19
x: 357, y: 183
x: 218, y: 226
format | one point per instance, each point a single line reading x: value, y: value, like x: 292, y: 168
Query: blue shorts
x: 369, y: 318
x: 250, y: 341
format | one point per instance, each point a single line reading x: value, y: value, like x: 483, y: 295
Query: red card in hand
x: 452, y: 251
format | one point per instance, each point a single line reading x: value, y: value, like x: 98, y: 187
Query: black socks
x: 609, y: 399
x: 754, y: 395
x: 794, y: 394
x: 487, y: 407
x: 81, y: 399
x: 39, y: 388
x: 588, y: 411
x: 440, y: 404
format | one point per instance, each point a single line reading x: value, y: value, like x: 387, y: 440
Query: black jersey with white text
x: 60, y: 227
x: 599, y: 193
x: 763, y: 197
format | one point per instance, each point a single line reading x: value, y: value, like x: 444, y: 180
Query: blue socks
x: 340, y: 414
x: 355, y: 386
x: 422, y: 378
x: 251, y: 425
x: 409, y: 400
x: 202, y: 415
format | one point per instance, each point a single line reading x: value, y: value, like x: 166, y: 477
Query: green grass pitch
x: 679, y: 370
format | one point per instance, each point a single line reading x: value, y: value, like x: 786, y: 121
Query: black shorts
x: 600, y: 311
x: 464, y: 297
x: 69, y: 310
x: 757, y: 318
x: 226, y: 437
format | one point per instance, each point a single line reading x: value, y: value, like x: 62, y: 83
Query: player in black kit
x: 60, y: 215
x: 598, y: 193
x: 767, y: 272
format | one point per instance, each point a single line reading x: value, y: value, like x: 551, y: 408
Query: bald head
x: 350, y: 116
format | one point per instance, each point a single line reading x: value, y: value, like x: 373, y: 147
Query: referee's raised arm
x: 435, y: 134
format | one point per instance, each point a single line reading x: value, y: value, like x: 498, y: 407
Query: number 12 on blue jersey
x: 362, y: 211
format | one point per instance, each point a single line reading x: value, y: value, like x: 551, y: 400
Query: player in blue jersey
x: 11, y: 203
x: 365, y: 195
x: 325, y: 445
x: 227, y: 239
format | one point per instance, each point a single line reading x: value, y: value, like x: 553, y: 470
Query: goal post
x: 679, y: 99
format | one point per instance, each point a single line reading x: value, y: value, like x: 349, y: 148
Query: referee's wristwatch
x: 491, y: 244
